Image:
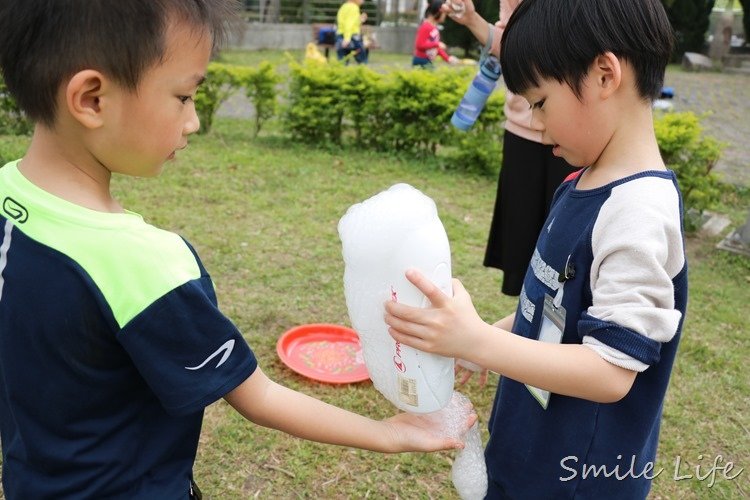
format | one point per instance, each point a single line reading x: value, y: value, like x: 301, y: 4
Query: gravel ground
x: 725, y: 99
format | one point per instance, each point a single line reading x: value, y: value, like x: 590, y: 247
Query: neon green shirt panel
x: 132, y: 262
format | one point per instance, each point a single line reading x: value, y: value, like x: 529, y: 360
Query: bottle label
x: 407, y: 390
x: 483, y: 86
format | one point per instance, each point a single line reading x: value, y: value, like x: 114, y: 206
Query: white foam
x: 469, y: 472
x: 382, y: 237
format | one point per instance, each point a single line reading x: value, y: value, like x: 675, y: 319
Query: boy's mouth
x: 172, y: 155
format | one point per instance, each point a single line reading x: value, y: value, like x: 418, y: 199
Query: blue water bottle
x: 477, y: 94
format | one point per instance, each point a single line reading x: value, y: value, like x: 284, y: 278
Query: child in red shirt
x: 427, y: 45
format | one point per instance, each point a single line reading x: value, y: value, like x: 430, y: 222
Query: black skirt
x: 529, y: 176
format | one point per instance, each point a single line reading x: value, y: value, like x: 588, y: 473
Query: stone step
x: 743, y: 70
x: 735, y: 60
x: 736, y: 63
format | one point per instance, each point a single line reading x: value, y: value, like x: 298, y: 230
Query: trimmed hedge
x: 403, y: 111
x: 692, y: 156
x: 400, y: 111
x: 223, y: 80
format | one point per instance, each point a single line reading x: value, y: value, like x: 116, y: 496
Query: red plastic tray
x: 323, y: 352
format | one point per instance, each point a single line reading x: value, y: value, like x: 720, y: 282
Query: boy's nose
x: 536, y: 123
x: 193, y: 123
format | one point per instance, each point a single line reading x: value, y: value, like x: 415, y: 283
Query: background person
x: 529, y: 175
x: 349, y: 40
x: 427, y: 44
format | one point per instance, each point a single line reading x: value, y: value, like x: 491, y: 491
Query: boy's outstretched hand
x: 448, y: 327
x: 416, y: 432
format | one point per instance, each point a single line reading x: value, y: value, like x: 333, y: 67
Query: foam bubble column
x: 382, y: 237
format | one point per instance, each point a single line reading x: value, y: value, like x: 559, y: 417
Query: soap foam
x: 382, y: 237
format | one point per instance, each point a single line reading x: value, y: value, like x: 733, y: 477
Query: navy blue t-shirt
x: 111, y: 346
x: 626, y: 299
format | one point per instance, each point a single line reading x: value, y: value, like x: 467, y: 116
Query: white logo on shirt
x: 227, y: 346
x: 4, y: 253
x: 549, y: 228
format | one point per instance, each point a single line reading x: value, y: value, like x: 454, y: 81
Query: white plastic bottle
x: 382, y: 237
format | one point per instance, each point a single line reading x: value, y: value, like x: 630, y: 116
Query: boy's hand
x: 428, y: 432
x: 445, y: 328
x: 466, y: 369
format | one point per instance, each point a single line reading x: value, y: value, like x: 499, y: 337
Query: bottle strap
x: 493, y: 42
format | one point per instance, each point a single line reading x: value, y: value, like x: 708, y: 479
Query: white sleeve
x: 637, y: 246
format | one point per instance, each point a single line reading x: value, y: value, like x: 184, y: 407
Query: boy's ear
x: 83, y: 96
x: 607, y: 70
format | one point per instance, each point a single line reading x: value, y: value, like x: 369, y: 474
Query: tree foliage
x: 689, y: 19
x: 746, y: 19
x: 456, y: 35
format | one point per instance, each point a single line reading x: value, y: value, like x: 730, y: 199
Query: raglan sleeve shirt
x: 637, y: 250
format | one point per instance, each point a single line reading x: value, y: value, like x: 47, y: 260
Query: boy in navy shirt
x: 585, y: 360
x: 111, y: 341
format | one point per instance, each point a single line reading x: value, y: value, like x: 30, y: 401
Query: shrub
x: 12, y: 148
x: 217, y: 87
x: 316, y: 106
x: 418, y: 109
x: 12, y: 119
x: 693, y: 158
x: 362, y: 93
x: 260, y: 88
x: 480, y: 150
x: 401, y: 111
x: 223, y: 80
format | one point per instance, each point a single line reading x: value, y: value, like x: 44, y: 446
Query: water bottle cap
x: 491, y: 67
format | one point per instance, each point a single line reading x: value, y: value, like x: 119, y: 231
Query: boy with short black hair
x: 111, y: 341
x: 586, y: 359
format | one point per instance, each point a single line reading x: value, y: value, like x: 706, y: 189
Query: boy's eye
x: 185, y: 98
x: 538, y: 104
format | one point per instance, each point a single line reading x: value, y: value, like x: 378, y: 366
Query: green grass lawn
x: 263, y: 215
